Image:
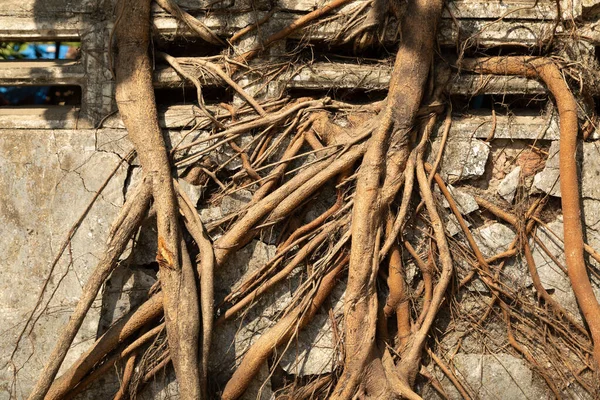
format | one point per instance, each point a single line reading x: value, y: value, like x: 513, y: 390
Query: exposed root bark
x: 283, y: 200
x: 319, y: 221
x: 409, y: 180
x: 137, y: 106
x: 517, y: 346
x: 448, y: 372
x: 376, y: 365
x: 215, y: 69
x: 116, y: 335
x: 172, y: 61
x: 283, y: 273
x: 206, y: 266
x: 242, y: 32
x: 427, y: 274
x: 279, y: 334
x: 541, y: 291
x: 411, y: 70
x: 373, y: 27
x: 279, y: 171
x: 408, y: 366
x: 238, y: 129
x: 397, y: 302
x: 127, y: 375
x: 294, y: 26
x: 548, y: 71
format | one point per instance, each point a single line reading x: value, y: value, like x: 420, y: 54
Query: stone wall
x: 55, y: 160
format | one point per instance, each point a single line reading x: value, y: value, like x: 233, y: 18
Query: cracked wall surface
x: 52, y: 164
x: 47, y: 179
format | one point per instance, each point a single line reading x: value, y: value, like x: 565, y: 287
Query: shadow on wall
x: 77, y: 30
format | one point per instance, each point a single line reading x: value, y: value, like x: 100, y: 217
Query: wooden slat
x: 478, y: 9
x: 508, y: 10
x: 492, y: 9
x: 470, y: 84
x: 170, y: 117
x: 227, y: 6
x: 489, y: 29
x: 519, y: 127
x: 223, y: 25
x: 58, y: 18
x: 26, y: 28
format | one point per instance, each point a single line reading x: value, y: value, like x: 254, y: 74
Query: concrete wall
x: 53, y: 162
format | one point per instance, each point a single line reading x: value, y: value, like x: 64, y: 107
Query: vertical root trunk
x: 390, y: 140
x: 137, y: 106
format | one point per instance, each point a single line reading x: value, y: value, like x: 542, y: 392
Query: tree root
x: 411, y: 356
x: 270, y: 283
x: 397, y: 302
x: 127, y: 375
x: 278, y: 334
x: 294, y: 26
x: 406, y: 91
x: 379, y: 361
x: 202, y: 30
x: 548, y: 71
x: 172, y: 61
x: 137, y: 106
x: 448, y: 372
x: 116, y: 335
x: 206, y: 266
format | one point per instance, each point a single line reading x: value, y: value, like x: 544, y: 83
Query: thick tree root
x: 279, y: 334
x: 116, y: 335
x: 127, y: 375
x: 410, y: 73
x: 284, y: 272
x: 397, y: 301
x: 137, y: 106
x: 375, y: 364
x: 202, y: 30
x: 206, y: 267
x: 548, y: 71
x: 294, y: 26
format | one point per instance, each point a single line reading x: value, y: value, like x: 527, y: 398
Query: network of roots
x: 297, y: 157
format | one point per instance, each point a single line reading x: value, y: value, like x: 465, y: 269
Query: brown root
x: 548, y: 71
x: 116, y: 335
x: 389, y: 139
x: 202, y: 30
x: 397, y: 302
x: 278, y: 334
x: 410, y: 73
x: 137, y: 106
x: 294, y: 26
